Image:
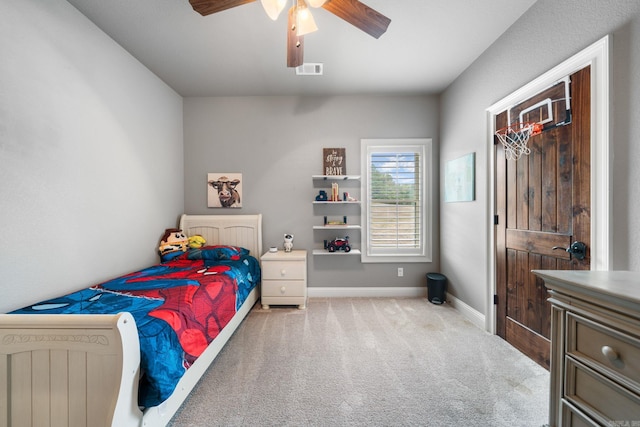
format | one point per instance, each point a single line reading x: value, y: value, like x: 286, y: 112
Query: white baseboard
x: 372, y: 292
x: 470, y: 313
x: 467, y: 311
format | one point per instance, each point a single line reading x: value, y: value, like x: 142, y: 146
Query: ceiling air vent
x: 309, y: 69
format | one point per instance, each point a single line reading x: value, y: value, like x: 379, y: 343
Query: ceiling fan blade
x: 295, y: 43
x: 359, y: 15
x: 207, y: 7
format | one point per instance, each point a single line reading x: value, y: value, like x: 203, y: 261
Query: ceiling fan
x: 300, y: 21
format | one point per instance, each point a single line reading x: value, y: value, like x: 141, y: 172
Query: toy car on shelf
x: 339, y: 244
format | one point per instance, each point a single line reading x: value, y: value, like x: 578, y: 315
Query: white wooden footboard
x: 63, y: 370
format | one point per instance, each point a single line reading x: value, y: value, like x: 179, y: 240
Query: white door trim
x: 597, y: 56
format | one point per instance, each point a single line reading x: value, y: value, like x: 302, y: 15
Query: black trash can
x: 436, y: 288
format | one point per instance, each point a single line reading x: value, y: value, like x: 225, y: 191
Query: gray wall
x: 91, y: 149
x: 276, y: 143
x: 91, y: 168
x: 546, y: 35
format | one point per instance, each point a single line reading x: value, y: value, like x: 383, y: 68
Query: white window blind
x: 396, y: 214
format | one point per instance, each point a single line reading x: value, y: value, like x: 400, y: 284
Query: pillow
x: 171, y: 256
x: 218, y: 253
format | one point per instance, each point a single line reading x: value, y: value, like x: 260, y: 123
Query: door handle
x: 577, y: 249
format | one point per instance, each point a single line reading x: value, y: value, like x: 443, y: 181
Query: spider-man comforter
x: 179, y: 306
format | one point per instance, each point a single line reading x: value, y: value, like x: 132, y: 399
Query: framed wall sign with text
x: 334, y: 161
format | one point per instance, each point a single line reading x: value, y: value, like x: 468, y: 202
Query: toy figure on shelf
x: 322, y: 196
x: 339, y: 244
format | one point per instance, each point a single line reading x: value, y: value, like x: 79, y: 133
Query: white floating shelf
x: 343, y: 253
x: 336, y: 227
x: 356, y: 202
x: 335, y: 177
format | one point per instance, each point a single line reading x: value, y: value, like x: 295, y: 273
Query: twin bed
x: 135, y: 346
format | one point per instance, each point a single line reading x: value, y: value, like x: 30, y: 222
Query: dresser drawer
x: 598, y: 396
x: 284, y: 270
x: 571, y: 416
x: 277, y: 288
x: 605, y: 349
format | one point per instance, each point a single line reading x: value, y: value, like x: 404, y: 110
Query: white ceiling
x: 241, y: 51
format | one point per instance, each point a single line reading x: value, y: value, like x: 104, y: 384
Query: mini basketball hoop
x: 515, y: 137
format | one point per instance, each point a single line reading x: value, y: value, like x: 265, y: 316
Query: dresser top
x: 622, y: 287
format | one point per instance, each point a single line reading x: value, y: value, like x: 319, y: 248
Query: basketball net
x: 514, y: 138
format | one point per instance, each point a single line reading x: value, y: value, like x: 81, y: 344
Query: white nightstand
x: 284, y: 278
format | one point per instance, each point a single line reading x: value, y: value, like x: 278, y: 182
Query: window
x: 396, y: 210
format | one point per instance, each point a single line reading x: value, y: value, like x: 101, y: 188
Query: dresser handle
x: 283, y: 290
x: 610, y: 353
x: 283, y: 272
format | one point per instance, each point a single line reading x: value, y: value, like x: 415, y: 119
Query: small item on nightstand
x: 288, y: 242
x: 273, y: 249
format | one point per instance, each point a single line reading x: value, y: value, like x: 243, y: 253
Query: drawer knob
x: 283, y: 290
x: 610, y: 353
x: 283, y: 272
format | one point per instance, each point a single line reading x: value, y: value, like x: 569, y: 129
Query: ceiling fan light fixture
x: 273, y: 7
x: 301, y: 22
x: 310, y: 69
x: 316, y: 3
x: 304, y: 19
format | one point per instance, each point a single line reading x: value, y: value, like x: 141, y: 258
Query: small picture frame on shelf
x: 334, y: 161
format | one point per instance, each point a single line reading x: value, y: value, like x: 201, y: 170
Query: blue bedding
x: 179, y: 306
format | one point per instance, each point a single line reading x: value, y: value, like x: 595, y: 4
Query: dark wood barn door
x: 542, y: 203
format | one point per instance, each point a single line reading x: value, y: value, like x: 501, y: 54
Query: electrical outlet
x: 400, y: 271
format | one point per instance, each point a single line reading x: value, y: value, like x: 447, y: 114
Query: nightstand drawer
x: 284, y: 270
x: 598, y: 396
x: 604, y: 348
x: 276, y: 288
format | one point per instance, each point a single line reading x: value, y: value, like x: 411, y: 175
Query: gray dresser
x: 595, y: 347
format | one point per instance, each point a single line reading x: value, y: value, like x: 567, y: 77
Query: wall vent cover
x: 310, y: 69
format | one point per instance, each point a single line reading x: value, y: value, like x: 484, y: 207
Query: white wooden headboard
x: 237, y: 230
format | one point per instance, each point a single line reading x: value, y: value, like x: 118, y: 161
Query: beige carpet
x: 367, y: 362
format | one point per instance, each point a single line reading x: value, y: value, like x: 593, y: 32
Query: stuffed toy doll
x: 173, y: 244
x: 288, y: 242
x: 196, y: 241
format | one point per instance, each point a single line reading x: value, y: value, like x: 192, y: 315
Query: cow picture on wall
x: 224, y: 190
